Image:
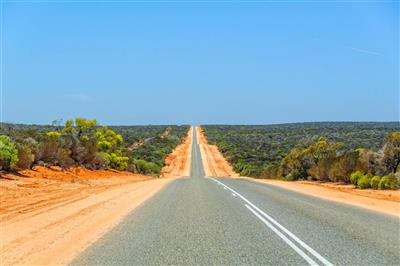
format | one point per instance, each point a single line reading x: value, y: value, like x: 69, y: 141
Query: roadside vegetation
x: 84, y: 143
x: 364, y: 154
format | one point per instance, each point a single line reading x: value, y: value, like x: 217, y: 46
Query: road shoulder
x: 387, y: 202
x: 54, y: 220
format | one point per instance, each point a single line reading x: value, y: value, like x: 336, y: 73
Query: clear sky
x: 197, y: 63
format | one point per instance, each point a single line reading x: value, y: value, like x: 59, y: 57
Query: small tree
x: 79, y: 140
x: 343, y: 167
x: 391, y: 153
x: 314, y: 159
x: 320, y: 171
x: 48, y: 148
x: 369, y: 161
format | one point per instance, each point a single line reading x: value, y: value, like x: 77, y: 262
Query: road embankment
x: 179, y: 161
x: 214, y: 162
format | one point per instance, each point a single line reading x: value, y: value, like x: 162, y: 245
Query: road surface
x: 200, y: 220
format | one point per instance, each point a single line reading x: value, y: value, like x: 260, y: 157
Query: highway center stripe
x: 273, y: 221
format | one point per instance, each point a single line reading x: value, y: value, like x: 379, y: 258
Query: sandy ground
x: 214, y: 163
x: 178, y: 162
x: 50, y: 216
x: 384, y: 201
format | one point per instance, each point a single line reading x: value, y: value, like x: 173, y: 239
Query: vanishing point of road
x: 200, y: 220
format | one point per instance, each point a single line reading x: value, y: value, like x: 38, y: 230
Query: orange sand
x: 214, y: 162
x: 49, y: 216
x: 178, y: 162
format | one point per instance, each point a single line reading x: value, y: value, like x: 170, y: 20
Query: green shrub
x: 144, y: 167
x: 364, y: 182
x: 116, y: 161
x: 294, y: 175
x: 63, y: 159
x: 8, y: 153
x: 355, y: 176
x: 99, y: 161
x: 26, y: 156
x: 375, y: 182
x: 389, y: 182
x: 383, y: 183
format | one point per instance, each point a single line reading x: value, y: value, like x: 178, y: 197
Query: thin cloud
x: 366, y: 51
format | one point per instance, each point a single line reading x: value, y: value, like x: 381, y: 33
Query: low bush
x: 144, y: 167
x: 375, y: 182
x: 99, y: 161
x: 390, y: 181
x: 26, y: 156
x: 116, y: 161
x: 8, y: 153
x: 294, y: 175
x: 355, y: 176
x: 364, y: 181
x: 63, y: 159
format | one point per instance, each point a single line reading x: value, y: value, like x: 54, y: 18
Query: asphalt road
x: 213, y: 221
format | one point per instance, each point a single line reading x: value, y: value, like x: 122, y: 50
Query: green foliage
x: 297, y: 151
x: 343, y: 166
x: 312, y: 160
x: 116, y: 161
x: 79, y: 126
x: 320, y: 170
x: 391, y: 157
x: 294, y: 166
x: 151, y: 144
x: 364, y: 181
x: 355, y: 177
x: 53, y: 135
x: 370, y: 162
x: 144, y: 167
x: 390, y: 181
x: 375, y: 182
x: 294, y: 175
x: 271, y: 172
x: 26, y: 156
x: 48, y: 149
x: 106, y: 139
x: 261, y: 146
x: 8, y: 153
x: 82, y: 142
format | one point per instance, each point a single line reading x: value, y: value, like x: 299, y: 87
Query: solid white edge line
x: 284, y: 238
x: 272, y: 220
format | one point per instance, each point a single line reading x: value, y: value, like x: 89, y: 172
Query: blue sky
x: 197, y: 63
